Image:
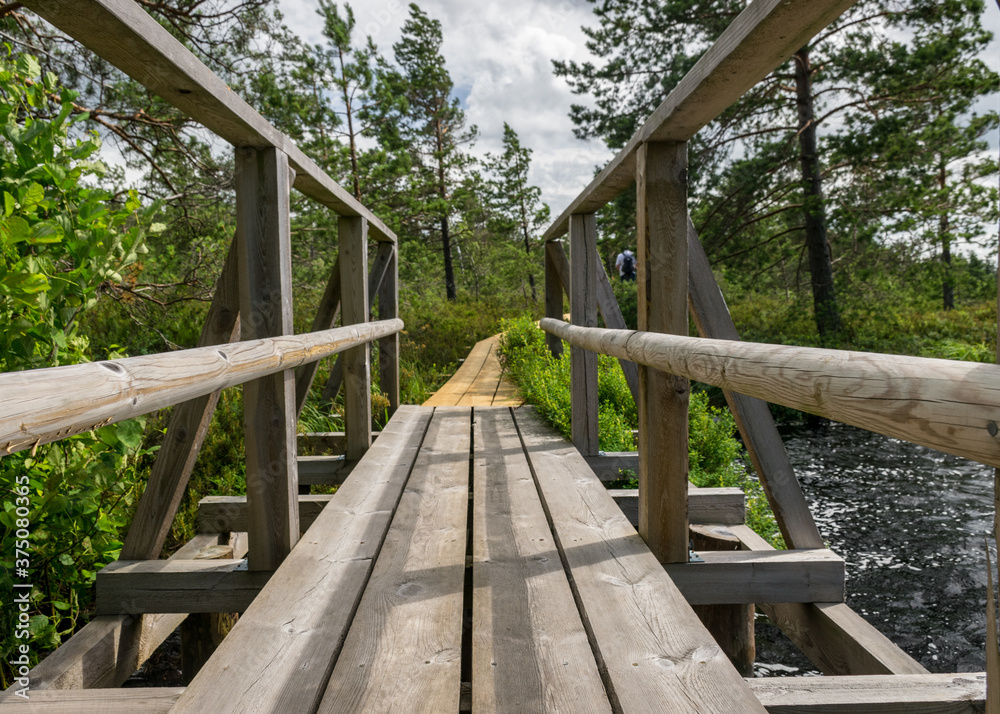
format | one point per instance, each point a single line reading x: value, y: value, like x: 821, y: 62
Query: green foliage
x: 715, y: 456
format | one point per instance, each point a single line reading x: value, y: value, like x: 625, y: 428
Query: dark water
x: 911, y: 524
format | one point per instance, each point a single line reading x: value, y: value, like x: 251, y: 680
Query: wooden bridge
x: 471, y: 558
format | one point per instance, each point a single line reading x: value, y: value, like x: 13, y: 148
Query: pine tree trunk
x: 449, y: 270
x: 947, y: 279
x: 820, y: 260
x: 527, y: 251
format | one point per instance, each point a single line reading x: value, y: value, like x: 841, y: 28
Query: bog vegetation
x: 839, y: 207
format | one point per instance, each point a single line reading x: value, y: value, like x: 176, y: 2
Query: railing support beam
x: 661, y: 183
x: 263, y: 181
x: 388, y: 347
x: 352, y: 232
x: 583, y: 312
x: 556, y: 266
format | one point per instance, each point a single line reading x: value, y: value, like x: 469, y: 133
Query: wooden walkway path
x: 478, y: 382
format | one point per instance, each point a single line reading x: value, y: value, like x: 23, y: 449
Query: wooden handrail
x: 124, y: 34
x: 763, y: 36
x: 43, y: 405
x: 950, y: 406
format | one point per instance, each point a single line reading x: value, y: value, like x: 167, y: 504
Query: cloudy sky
x: 499, y: 54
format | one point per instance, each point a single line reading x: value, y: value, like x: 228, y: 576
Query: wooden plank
x: 43, y: 405
x: 649, y: 644
x: 530, y: 651
x: 325, y: 318
x: 554, y: 288
x: 901, y: 694
x: 263, y: 231
x: 388, y: 347
x: 376, y: 275
x: 705, y: 505
x: 130, y: 587
x: 834, y: 637
x: 943, y: 404
x: 201, y: 633
x: 777, y: 576
x: 403, y: 652
x: 229, y: 513
x: 189, y: 422
x: 757, y: 42
x: 330, y: 442
x: 452, y: 391
x: 148, y: 700
x: 661, y: 215
x: 483, y: 389
x: 607, y: 303
x: 108, y: 649
x: 352, y: 235
x: 127, y: 37
x: 760, y: 436
x: 583, y: 309
x: 279, y: 654
x: 324, y: 470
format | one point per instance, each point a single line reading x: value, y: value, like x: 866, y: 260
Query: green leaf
x: 32, y: 197
x: 28, y: 66
x: 9, y: 204
x: 65, y: 559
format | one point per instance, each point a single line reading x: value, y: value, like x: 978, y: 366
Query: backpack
x: 628, y: 266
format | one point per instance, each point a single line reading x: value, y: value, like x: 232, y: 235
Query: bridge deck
x: 471, y: 551
x: 479, y: 382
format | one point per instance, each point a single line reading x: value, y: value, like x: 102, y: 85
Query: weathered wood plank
x: 324, y: 470
x: 777, y: 576
x: 229, y: 513
x: 900, y: 694
x: 279, y: 654
x: 554, y: 288
x: 583, y: 309
x: 189, y: 422
x: 452, y: 391
x: 763, y: 443
x: 329, y: 442
x: 403, y: 652
x: 388, y: 347
x: 530, y: 651
x: 661, y: 215
x: 127, y: 37
x: 376, y: 276
x: 148, y: 700
x: 201, y: 633
x: 352, y: 234
x: 108, y: 649
x: 834, y: 637
x: 325, y: 318
x: 943, y: 404
x: 705, y: 505
x: 763, y: 36
x: 263, y: 232
x: 43, y: 405
x: 130, y: 587
x: 649, y: 644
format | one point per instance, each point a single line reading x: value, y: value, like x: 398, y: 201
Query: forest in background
x: 839, y: 206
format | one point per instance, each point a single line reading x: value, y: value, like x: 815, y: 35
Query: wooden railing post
x: 388, y: 347
x: 661, y: 184
x: 583, y: 312
x: 554, y: 293
x: 352, y: 232
x: 263, y: 230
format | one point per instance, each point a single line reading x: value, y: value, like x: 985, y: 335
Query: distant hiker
x: 626, y: 265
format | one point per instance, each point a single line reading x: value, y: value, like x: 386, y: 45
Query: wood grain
x: 403, y: 651
x: 189, y: 422
x: 705, y: 505
x: 148, y: 700
x: 834, y: 637
x: 942, y: 404
x: 662, y: 269
x: 388, y: 347
x: 530, y: 651
x: 123, y: 34
x: 325, y: 318
x: 583, y: 309
x: 649, y: 644
x: 555, y: 266
x: 901, y: 694
x: 328, y: 442
x: 611, y: 312
x: 279, y: 655
x: 43, y: 405
x: 757, y: 42
x: 229, y: 513
x: 263, y: 232
x: 352, y: 235
x: 753, y: 418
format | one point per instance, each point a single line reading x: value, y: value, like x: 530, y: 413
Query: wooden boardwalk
x: 479, y: 382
